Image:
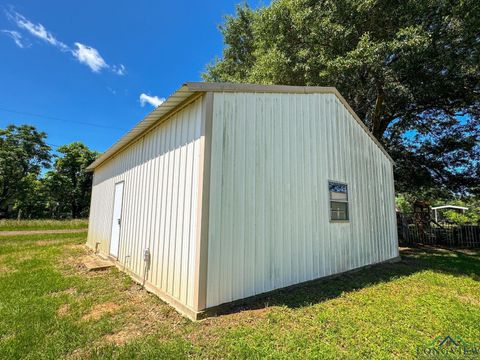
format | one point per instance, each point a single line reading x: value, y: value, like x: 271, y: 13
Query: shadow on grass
x: 454, y: 262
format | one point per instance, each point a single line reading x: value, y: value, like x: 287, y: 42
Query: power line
x: 60, y: 119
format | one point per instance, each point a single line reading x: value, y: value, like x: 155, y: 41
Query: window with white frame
x: 338, y: 201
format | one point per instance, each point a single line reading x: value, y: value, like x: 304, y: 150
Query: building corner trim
x: 201, y: 257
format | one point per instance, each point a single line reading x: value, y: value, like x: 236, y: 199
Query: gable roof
x: 190, y: 89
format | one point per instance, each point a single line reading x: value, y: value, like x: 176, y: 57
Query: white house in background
x: 226, y: 191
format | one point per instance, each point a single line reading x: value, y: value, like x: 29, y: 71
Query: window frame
x: 347, y: 202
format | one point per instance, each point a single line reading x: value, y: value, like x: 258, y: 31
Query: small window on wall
x: 338, y: 201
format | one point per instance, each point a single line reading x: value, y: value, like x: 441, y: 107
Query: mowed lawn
x: 50, y: 308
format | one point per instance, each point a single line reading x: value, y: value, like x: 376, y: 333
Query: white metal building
x: 226, y: 191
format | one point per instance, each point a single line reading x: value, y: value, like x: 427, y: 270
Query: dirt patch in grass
x: 143, y: 314
x: 32, y: 232
x: 211, y: 329
x: 101, y: 309
x: 74, y: 263
x: 4, y: 269
x: 125, y: 335
x: 53, y: 241
x: 77, y: 247
x: 469, y: 299
x: 146, y: 310
x: 69, y: 291
x: 63, y: 310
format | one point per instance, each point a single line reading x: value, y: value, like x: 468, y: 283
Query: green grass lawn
x: 50, y: 308
x: 14, y: 225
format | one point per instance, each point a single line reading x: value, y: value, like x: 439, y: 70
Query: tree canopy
x: 409, y: 69
x: 26, y: 190
x: 23, y: 154
x: 69, y: 183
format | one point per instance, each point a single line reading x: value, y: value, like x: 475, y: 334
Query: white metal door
x: 116, y: 220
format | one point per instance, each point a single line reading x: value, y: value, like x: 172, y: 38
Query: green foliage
x: 410, y: 70
x: 404, y: 204
x: 470, y: 216
x: 69, y: 184
x: 23, y: 154
x: 63, y: 192
x: 455, y: 217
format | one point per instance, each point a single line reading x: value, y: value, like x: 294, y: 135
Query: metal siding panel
x: 297, y: 265
x: 323, y: 202
x: 288, y: 227
x: 250, y: 199
x: 155, y: 209
x: 167, y: 184
x: 332, y: 175
x: 238, y: 235
x: 300, y: 118
x: 135, y: 222
x: 228, y: 203
x: 280, y: 257
x: 161, y: 174
x: 320, y: 143
x: 172, y: 210
x: 272, y: 157
x: 260, y: 169
x: 315, y: 231
x: 180, y: 205
x: 195, y: 203
x: 187, y: 205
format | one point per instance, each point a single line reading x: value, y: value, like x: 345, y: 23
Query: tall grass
x: 12, y: 225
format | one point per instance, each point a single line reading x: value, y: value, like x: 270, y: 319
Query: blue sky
x: 63, y: 63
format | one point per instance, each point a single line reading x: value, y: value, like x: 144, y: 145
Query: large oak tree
x: 410, y: 69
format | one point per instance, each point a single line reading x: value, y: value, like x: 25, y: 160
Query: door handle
x: 118, y: 220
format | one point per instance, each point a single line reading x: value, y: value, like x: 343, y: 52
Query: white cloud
x: 17, y: 37
x: 85, y: 54
x: 89, y: 56
x: 155, y: 101
x: 119, y: 69
x: 37, y: 30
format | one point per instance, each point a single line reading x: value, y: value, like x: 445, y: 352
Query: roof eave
x: 188, y: 89
x: 149, y: 121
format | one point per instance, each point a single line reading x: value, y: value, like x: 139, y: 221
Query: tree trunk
x: 379, y: 122
x: 74, y: 209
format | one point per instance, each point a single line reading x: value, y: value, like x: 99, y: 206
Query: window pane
x: 339, y: 210
x: 337, y: 187
x: 338, y: 191
x: 338, y: 196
